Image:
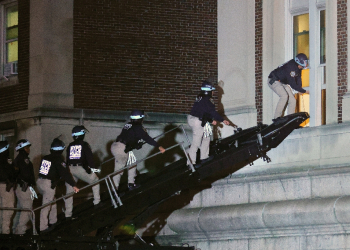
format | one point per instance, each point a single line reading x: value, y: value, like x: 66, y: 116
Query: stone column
x: 346, y: 97
x: 236, y: 57
x: 51, y: 54
x: 332, y: 63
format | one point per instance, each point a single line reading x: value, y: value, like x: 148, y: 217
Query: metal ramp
x: 134, y: 207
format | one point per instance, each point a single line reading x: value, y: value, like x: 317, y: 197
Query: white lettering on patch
x: 45, y: 167
x: 75, y: 152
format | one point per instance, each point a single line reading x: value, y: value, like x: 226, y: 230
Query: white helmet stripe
x: 22, y: 145
x: 4, y: 148
x: 58, y: 148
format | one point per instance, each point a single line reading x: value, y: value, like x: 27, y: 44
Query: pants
x: 286, y: 96
x: 79, y: 173
x: 198, y: 140
x: 44, y: 187
x: 22, y: 217
x: 7, y: 199
x: 121, y: 158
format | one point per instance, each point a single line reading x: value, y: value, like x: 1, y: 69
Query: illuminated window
x: 301, y: 45
x: 10, y: 41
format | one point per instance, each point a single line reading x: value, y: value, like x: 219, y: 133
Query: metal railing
x: 112, y: 189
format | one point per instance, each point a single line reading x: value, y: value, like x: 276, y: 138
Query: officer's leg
x: 205, y: 147
x: 25, y: 201
x: 69, y: 201
x: 132, y: 175
x: 120, y: 160
x: 89, y: 178
x: 16, y: 218
x: 279, y: 89
x: 44, y: 187
x: 291, y: 100
x: 7, y: 200
x: 197, y: 130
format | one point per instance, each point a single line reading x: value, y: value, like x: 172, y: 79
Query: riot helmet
x: 301, y: 59
x: 4, y: 146
x: 22, y: 144
x: 137, y: 116
x: 207, y: 89
x: 78, y: 132
x: 57, y: 145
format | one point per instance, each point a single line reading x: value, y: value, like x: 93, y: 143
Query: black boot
x: 132, y: 186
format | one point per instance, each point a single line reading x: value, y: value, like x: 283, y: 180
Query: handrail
x: 182, y: 127
x: 106, y: 178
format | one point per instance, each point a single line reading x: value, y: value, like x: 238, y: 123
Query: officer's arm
x: 88, y: 155
x: 66, y: 175
x: 295, y: 83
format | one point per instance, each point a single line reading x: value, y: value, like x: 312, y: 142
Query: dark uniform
x: 52, y: 168
x: 80, y: 162
x: 7, y: 195
x: 203, y: 111
x: 25, y: 179
x: 281, y: 80
x: 133, y: 136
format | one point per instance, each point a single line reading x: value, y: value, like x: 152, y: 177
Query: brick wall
x: 143, y: 54
x: 15, y: 98
x: 258, y: 58
x: 342, y: 53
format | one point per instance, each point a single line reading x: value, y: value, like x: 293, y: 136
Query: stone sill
x: 266, y: 219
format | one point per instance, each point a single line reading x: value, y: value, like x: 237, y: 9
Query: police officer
x: 81, y: 165
x: 52, y: 168
x: 133, y: 136
x: 24, y: 190
x: 202, y: 113
x: 285, y: 77
x: 7, y: 183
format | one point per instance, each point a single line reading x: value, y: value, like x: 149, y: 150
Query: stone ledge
x: 266, y: 219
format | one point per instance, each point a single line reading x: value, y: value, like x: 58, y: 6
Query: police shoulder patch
x: 9, y: 161
x: 198, y: 99
x: 63, y: 164
x: 292, y: 74
x: 127, y: 126
x: 26, y: 161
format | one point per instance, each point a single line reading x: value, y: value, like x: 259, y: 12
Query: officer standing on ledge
x: 7, y: 184
x: 52, y: 168
x: 202, y: 113
x: 285, y: 77
x: 81, y: 165
x: 24, y: 190
x: 133, y: 136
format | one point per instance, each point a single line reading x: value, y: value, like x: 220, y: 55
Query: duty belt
x: 121, y: 141
x: 76, y: 165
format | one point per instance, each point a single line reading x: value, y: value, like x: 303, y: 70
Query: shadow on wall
x: 158, y: 162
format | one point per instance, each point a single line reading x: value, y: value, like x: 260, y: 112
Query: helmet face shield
x: 79, y: 130
x: 136, y: 114
x: 302, y: 60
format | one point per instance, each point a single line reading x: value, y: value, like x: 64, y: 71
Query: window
x: 9, y: 46
x: 301, y: 44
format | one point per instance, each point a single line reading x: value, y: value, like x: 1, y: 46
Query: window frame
x: 11, y: 79
x: 317, y: 78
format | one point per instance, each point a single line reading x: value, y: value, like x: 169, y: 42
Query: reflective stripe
x: 4, y: 148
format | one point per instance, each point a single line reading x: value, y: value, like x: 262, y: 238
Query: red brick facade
x: 147, y: 54
x: 342, y: 54
x: 15, y: 98
x: 258, y: 59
